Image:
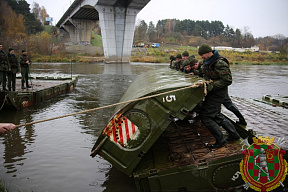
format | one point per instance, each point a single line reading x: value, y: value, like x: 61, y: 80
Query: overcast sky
x: 263, y: 17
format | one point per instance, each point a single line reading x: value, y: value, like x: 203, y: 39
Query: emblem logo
x: 263, y: 167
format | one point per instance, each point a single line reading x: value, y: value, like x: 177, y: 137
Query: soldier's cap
x: 185, y: 53
x: 204, y: 48
x: 10, y: 49
x: 191, y: 56
x: 190, y: 61
x: 178, y: 56
x: 23, y: 50
x: 172, y: 57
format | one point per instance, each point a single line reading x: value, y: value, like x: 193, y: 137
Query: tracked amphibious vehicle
x: 160, y: 141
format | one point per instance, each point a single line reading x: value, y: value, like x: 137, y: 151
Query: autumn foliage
x: 14, y: 34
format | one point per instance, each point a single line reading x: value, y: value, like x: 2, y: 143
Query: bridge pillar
x: 117, y: 30
x: 71, y: 29
x: 83, y: 30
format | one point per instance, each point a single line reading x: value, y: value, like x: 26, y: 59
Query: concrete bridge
x: 117, y: 21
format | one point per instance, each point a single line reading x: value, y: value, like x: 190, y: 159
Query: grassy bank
x: 161, y: 55
x: 66, y: 58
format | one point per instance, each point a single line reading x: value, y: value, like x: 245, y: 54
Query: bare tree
x: 40, y: 13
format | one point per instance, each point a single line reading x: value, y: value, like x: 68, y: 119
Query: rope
x: 195, y: 85
x: 3, y: 102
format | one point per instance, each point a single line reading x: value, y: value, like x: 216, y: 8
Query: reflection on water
x: 54, y: 155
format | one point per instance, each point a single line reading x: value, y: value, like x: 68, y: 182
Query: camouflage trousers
x: 24, y: 75
x: 11, y: 80
x: 3, y: 78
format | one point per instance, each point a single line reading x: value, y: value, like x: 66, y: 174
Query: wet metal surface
x: 189, y: 141
x: 54, y: 155
x: 264, y: 119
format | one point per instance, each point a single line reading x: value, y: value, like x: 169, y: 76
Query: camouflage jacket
x: 23, y: 59
x: 216, y: 68
x: 13, y: 63
x: 4, y: 63
x: 177, y: 65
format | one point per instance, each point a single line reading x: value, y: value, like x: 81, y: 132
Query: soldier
x: 4, y: 67
x: 197, y: 67
x: 188, y: 65
x: 227, y: 101
x: 172, y: 58
x: 14, y: 69
x: 24, y: 63
x: 176, y: 64
x: 185, y: 56
x: 216, y: 69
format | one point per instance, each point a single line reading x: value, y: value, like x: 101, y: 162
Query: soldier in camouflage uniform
x: 24, y: 64
x: 177, y: 63
x: 4, y: 67
x: 216, y: 69
x: 185, y: 56
x: 14, y: 69
x: 188, y: 65
x: 197, y: 67
x: 172, y: 58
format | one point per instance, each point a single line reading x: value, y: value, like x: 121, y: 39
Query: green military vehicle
x: 158, y: 139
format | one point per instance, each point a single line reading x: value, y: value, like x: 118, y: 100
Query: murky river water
x: 54, y: 155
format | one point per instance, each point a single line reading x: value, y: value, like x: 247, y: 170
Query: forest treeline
x: 193, y: 33
x: 23, y: 27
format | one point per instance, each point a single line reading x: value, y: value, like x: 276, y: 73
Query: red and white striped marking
x: 122, y: 131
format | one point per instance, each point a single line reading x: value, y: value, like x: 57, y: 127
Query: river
x: 54, y: 155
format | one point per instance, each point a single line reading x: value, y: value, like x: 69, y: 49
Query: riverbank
x: 162, y: 55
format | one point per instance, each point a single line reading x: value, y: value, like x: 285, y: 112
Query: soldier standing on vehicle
x: 216, y: 69
x: 14, y: 69
x: 4, y: 67
x: 25, y: 62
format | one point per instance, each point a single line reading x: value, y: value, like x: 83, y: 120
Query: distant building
x: 254, y: 48
x: 223, y: 48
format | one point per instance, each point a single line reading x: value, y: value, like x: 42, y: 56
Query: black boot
x: 23, y: 87
x: 27, y: 86
x: 4, y: 88
x: 216, y: 132
x: 217, y: 145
